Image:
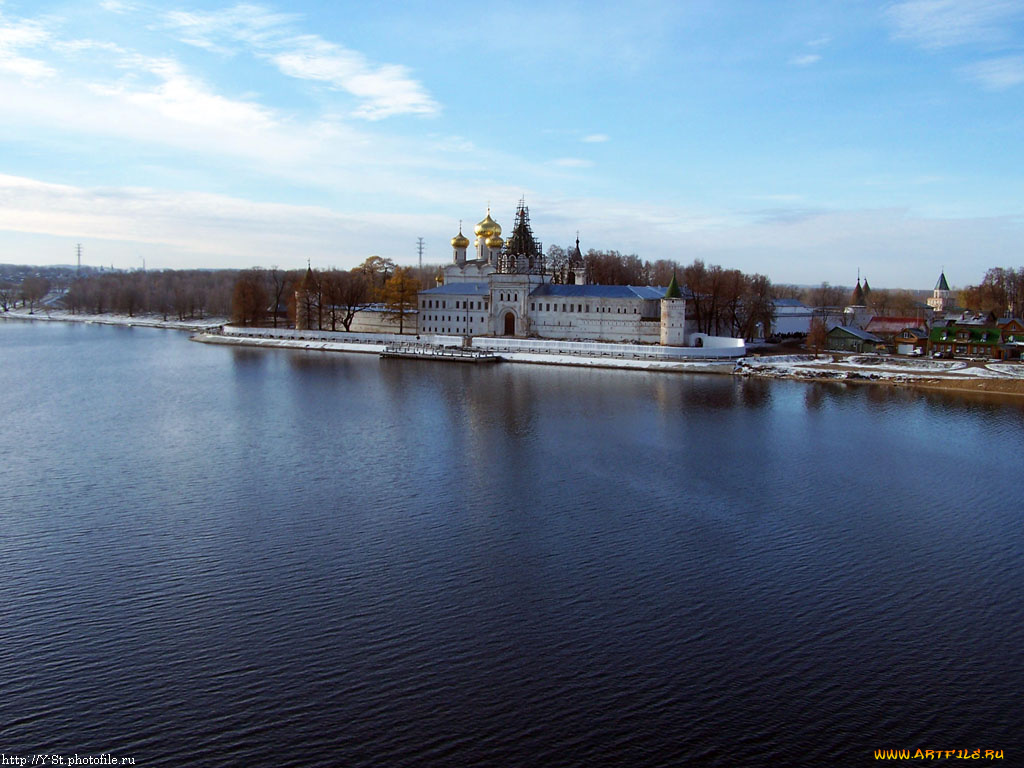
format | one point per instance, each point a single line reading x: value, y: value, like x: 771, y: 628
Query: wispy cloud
x: 596, y: 138
x: 117, y: 6
x: 805, y: 60
x: 997, y: 74
x: 572, y: 162
x: 382, y: 90
x: 187, y: 100
x: 16, y: 36
x: 945, y: 23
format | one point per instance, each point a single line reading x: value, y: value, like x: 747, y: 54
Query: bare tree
x: 8, y: 294
x: 817, y: 336
x: 33, y: 289
x: 355, y: 294
x: 400, y: 296
x: 249, y: 301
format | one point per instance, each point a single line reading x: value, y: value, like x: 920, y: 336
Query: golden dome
x: 488, y: 226
x: 494, y: 241
x: 460, y: 240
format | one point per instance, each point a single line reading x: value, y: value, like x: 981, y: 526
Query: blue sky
x: 803, y: 140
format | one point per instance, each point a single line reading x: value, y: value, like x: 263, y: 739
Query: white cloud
x: 944, y: 23
x: 997, y: 74
x: 117, y: 6
x: 212, y: 230
x: 805, y: 60
x: 17, y: 35
x: 595, y: 138
x: 187, y: 100
x: 572, y: 162
x: 382, y: 90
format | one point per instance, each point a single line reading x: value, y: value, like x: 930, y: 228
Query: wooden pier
x: 421, y: 351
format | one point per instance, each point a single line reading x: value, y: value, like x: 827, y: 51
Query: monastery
x: 506, y: 289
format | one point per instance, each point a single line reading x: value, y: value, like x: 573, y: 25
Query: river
x: 241, y: 556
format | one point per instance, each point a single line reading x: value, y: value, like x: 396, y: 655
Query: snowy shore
x: 992, y: 377
x: 696, y: 366
x: 146, y: 321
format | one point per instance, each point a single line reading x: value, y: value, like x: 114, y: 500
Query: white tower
x: 673, y: 316
x: 942, y: 298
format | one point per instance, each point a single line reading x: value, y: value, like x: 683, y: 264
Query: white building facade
x: 506, y: 290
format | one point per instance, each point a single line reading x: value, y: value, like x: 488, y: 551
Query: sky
x: 801, y: 140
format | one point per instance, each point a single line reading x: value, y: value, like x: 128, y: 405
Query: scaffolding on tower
x: 522, y: 252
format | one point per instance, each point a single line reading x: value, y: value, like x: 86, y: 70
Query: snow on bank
x: 253, y: 341
x: 873, y: 368
x: 696, y: 366
x: 546, y: 358
x: 907, y: 365
x: 146, y: 321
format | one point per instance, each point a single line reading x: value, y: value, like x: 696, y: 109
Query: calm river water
x: 218, y: 555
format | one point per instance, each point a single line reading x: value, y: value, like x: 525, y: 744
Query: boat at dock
x: 421, y: 351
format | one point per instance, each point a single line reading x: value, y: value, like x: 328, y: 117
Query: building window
x: 531, y: 306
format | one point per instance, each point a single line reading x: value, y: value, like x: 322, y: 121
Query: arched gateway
x: 510, y: 324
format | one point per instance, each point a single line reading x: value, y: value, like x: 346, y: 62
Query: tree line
x: 326, y: 299
x: 1001, y: 290
x: 187, y: 294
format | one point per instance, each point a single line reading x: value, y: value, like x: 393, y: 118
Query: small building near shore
x: 842, y: 338
x: 901, y: 334
x: 979, y: 335
x: 792, y: 316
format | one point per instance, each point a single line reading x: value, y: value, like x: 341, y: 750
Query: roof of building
x: 576, y: 256
x: 857, y: 299
x: 600, y: 291
x: 892, y: 324
x: 917, y: 333
x: 975, y: 334
x: 672, y: 292
x: 941, y: 284
x: 971, y: 318
x: 860, y: 334
x: 459, y: 289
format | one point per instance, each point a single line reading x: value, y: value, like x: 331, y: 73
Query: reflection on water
x: 305, y: 558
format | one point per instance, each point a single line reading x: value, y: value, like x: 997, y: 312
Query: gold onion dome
x: 494, y: 241
x: 460, y: 240
x: 488, y: 226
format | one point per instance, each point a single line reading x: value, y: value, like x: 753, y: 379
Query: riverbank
x: 368, y: 345
x: 144, y: 321
x: 919, y: 373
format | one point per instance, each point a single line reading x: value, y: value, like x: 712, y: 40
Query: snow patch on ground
x: 147, y: 321
x: 1012, y: 370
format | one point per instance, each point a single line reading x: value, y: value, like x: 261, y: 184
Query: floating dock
x: 419, y: 351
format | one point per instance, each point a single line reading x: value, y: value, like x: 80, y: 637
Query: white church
x: 506, y: 290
